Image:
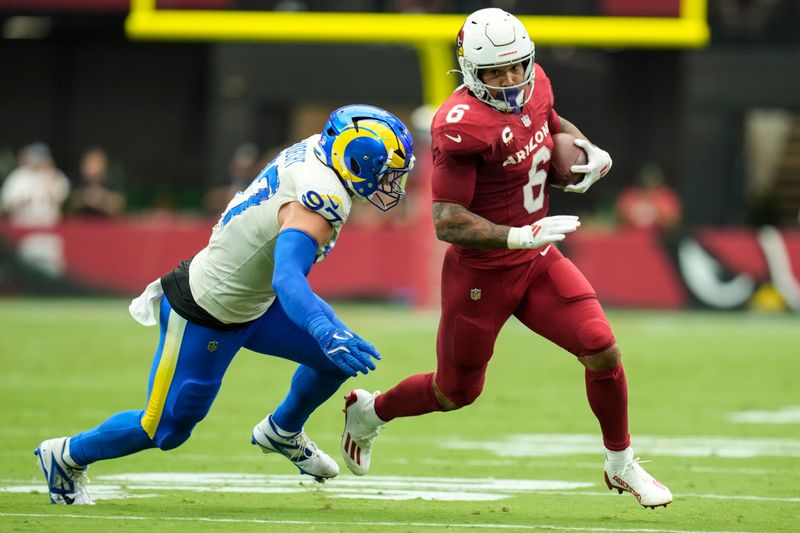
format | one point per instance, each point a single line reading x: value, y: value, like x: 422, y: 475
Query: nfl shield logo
x: 475, y: 294
x: 212, y: 346
x: 526, y: 120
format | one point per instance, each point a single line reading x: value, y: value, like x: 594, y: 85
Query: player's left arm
x: 302, y: 230
x: 598, y: 161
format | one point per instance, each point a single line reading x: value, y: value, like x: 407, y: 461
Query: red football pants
x: 551, y: 297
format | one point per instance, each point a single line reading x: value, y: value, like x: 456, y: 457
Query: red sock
x: 411, y: 397
x: 607, y: 391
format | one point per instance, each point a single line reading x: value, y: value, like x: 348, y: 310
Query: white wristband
x: 520, y: 237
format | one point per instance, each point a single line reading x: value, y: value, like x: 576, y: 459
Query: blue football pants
x: 189, y: 364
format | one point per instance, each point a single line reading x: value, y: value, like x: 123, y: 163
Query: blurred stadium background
x: 697, y: 102
x: 701, y: 97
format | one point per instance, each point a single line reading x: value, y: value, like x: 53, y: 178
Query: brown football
x: 565, y: 154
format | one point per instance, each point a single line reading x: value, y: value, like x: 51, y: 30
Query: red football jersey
x: 495, y: 164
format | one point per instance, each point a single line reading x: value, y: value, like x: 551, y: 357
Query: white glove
x: 543, y: 232
x: 598, y: 163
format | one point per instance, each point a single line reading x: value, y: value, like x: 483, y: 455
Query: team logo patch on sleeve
x: 326, y: 205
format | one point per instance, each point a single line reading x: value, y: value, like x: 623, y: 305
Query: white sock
x: 371, y: 416
x: 620, y: 458
x: 67, y: 458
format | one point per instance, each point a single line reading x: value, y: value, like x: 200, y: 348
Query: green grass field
x: 714, y: 404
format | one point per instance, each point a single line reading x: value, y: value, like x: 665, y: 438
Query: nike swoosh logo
x: 289, y: 451
x: 544, y: 252
x: 337, y: 337
x: 339, y: 349
x: 456, y: 139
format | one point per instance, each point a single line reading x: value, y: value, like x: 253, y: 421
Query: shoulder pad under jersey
x: 319, y: 190
x: 459, y: 126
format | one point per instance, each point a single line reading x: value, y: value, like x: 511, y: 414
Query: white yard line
x: 577, y: 465
x: 539, y: 445
x: 681, y: 495
x: 789, y: 414
x: 365, y: 524
x: 129, y: 485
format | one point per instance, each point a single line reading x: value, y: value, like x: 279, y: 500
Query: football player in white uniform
x: 248, y: 288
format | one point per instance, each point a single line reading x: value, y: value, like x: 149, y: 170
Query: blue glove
x: 345, y: 349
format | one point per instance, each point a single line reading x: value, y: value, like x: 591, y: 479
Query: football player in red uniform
x: 491, y: 144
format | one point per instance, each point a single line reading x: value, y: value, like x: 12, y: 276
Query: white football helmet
x: 494, y: 38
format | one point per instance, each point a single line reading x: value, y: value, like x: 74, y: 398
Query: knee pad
x: 462, y: 361
x: 190, y: 406
x: 569, y: 283
x: 173, y: 438
x: 462, y: 388
x: 593, y: 335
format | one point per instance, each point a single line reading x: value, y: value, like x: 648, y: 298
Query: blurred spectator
x: 243, y: 167
x: 757, y: 21
x: 94, y: 196
x: 649, y: 204
x: 419, y: 182
x: 34, y: 192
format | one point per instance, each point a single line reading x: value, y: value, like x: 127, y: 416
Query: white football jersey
x: 231, y: 278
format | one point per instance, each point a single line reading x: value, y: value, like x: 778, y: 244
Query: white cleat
x: 66, y: 484
x: 296, y: 447
x: 628, y: 475
x: 361, y: 426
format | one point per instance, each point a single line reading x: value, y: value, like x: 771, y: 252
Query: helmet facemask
x: 509, y: 98
x: 391, y: 188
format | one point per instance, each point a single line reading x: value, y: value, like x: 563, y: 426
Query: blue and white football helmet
x: 370, y: 150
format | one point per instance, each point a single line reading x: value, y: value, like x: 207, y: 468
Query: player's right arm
x: 294, y: 216
x: 458, y: 225
x: 457, y: 151
x: 458, y: 145
x: 301, y: 231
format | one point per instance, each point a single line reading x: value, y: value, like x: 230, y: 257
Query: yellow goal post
x: 432, y: 35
